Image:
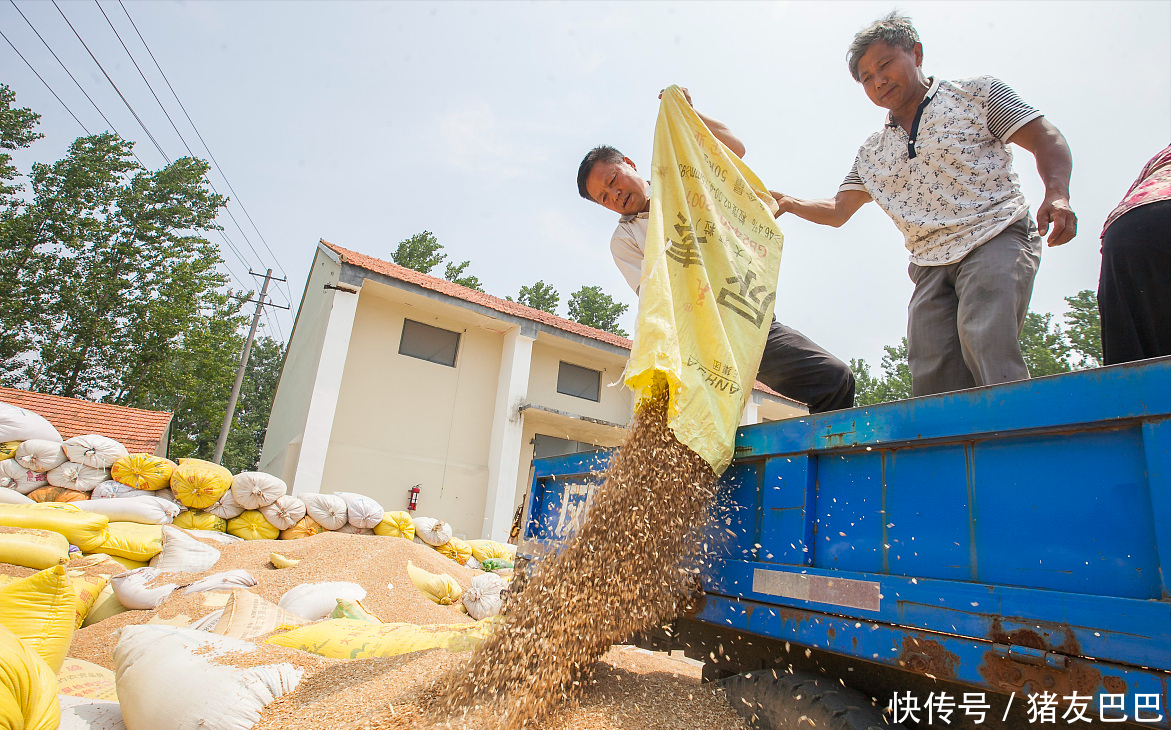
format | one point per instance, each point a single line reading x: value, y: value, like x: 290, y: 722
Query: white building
x: 395, y: 379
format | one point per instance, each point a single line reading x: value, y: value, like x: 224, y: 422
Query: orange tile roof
x: 136, y: 429
x: 504, y: 306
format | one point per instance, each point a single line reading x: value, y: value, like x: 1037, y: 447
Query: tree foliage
x: 455, y: 273
x: 895, y: 383
x: 594, y: 308
x: 421, y: 252
x: 1084, y: 329
x: 540, y: 296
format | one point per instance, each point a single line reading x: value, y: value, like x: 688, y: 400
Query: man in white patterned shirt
x: 941, y: 169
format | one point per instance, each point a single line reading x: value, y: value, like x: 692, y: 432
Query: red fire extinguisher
x: 414, y: 497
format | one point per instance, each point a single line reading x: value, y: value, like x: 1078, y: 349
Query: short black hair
x: 601, y: 153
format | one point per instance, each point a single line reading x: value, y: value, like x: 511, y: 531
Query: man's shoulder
x: 971, y: 85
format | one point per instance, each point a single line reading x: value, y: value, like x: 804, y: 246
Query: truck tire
x: 774, y: 700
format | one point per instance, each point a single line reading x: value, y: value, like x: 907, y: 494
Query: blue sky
x: 366, y: 122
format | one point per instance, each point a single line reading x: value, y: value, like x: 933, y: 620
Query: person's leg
x: 933, y: 345
x: 994, y: 284
x: 797, y: 368
x: 1134, y: 291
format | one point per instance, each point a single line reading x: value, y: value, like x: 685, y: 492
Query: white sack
x: 85, y: 713
x: 172, y: 678
x: 432, y: 531
x: 8, y: 495
x: 361, y: 511
x: 111, y: 489
x: 94, y: 450
x: 227, y: 507
x: 255, y: 489
x: 285, y: 512
x: 73, y: 475
x: 351, y: 530
x: 143, y: 510
x: 130, y: 588
x: 183, y: 554
x: 40, y: 454
x: 208, y: 622
x: 226, y: 581
x: 213, y: 535
x: 482, y: 598
x: 20, y: 478
x: 315, y: 601
x: 326, y: 510
x: 19, y: 424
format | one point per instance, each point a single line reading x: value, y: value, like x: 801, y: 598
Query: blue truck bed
x: 1014, y: 539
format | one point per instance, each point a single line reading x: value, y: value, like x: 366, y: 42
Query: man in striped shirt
x: 941, y: 169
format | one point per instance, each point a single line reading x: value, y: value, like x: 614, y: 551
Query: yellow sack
x: 28, y: 689
x: 251, y: 525
x: 36, y: 549
x: 39, y: 610
x: 396, y: 524
x: 305, y: 527
x: 86, y: 530
x: 354, y: 610
x: 105, y: 606
x: 199, y: 484
x: 143, y: 471
x: 247, y: 615
x: 487, y: 549
x: 86, y: 591
x: 441, y: 588
x: 8, y: 449
x: 129, y: 563
x: 709, y: 282
x: 343, y: 638
x: 134, y: 541
x: 456, y: 549
x: 195, y: 519
x: 79, y: 678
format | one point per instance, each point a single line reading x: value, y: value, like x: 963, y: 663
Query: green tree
x: 1043, y: 346
x: 594, y: 308
x: 455, y: 273
x: 17, y: 127
x: 1084, y: 329
x: 250, y: 420
x: 421, y: 252
x: 895, y: 383
x: 539, y: 296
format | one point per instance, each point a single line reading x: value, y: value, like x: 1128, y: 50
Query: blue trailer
x: 1007, y: 545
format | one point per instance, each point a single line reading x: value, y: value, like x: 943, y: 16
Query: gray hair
x: 894, y: 29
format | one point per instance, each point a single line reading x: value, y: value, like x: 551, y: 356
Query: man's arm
x: 827, y: 212
x: 1054, y: 165
x: 716, y: 127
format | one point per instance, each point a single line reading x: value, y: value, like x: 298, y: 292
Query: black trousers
x: 796, y: 367
x: 1134, y: 291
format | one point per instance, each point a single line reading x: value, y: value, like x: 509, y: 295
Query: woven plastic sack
x: 36, y: 549
x: 39, y: 610
x: 83, y: 529
x: 11, y: 496
x: 57, y: 494
x: 342, y: 638
x: 79, y: 678
x: 228, y: 580
x: 326, y: 510
x: 255, y: 489
x: 134, y: 589
x: 709, y: 282
x: 482, y: 599
x: 94, y: 450
x: 361, y: 511
x: 351, y: 530
x: 247, y: 616
x: 143, y: 471
x: 19, y: 424
x: 183, y: 553
x: 144, y: 510
x: 305, y: 527
x: 438, y: 587
x: 221, y: 538
x: 79, y: 713
x: 314, y: 601
x: 197, y: 519
x: 86, y: 590
x: 28, y: 687
x: 456, y: 549
x: 19, y: 478
x: 8, y: 449
x: 80, y: 477
x: 251, y: 525
x: 40, y: 454
x: 432, y: 531
x: 487, y: 549
x: 285, y: 512
x: 226, y: 507
x: 396, y: 524
x: 133, y: 540
x: 354, y: 610
x: 199, y: 483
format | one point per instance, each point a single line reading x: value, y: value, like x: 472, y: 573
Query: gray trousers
x: 964, y: 320
x: 798, y: 368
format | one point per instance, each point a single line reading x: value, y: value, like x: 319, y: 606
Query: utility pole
x: 227, y: 425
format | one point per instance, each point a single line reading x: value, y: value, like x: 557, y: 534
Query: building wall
x: 614, y: 405
x: 290, y: 406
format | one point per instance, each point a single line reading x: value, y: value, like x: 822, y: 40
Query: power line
x: 46, y: 83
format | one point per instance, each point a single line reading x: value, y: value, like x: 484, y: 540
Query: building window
x: 546, y: 446
x: 429, y: 343
x: 579, y: 382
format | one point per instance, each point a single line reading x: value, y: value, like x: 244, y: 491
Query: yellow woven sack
x: 129, y: 563
x: 487, y: 549
x: 396, y: 524
x: 199, y: 484
x: 441, y: 588
x: 343, y: 638
x: 305, y: 527
x: 354, y: 610
x: 86, y: 530
x: 251, y: 525
x: 134, y: 541
x: 8, y: 449
x: 456, y: 549
x: 194, y: 519
x: 79, y: 678
x: 39, y: 610
x: 143, y: 471
x: 28, y: 689
x: 36, y: 549
x: 709, y: 282
x: 86, y: 590
x: 105, y: 606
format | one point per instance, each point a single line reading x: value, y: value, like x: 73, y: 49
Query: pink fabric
x: 1153, y: 184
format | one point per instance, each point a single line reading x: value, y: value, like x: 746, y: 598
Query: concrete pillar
x: 326, y: 386
x: 751, y: 415
x: 512, y: 387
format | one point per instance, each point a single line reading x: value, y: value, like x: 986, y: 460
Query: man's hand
x: 686, y: 96
x: 1056, y: 210
x: 784, y: 203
